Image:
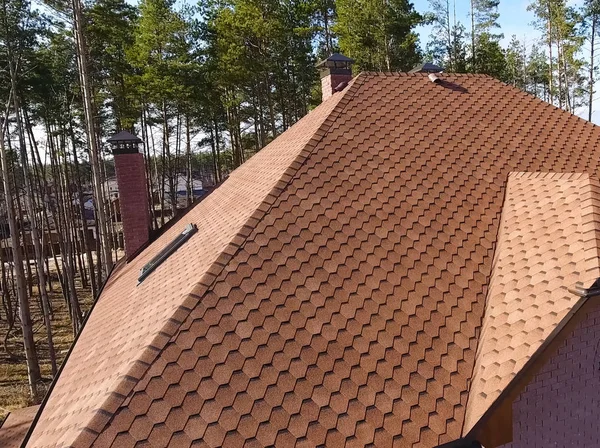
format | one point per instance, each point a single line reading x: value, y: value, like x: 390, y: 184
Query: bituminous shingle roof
x: 548, y: 240
x: 15, y: 426
x: 130, y: 324
x: 334, y: 291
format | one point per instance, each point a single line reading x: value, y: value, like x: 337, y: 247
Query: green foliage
x: 110, y: 29
x: 159, y: 51
x: 379, y: 36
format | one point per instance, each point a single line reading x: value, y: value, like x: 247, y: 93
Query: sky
x: 514, y: 19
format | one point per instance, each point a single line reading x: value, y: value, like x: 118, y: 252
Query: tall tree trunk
x: 591, y: 82
x: 473, y: 56
x: 550, y: 67
x: 29, y: 205
x: 188, y: 152
x: 84, y: 224
x: 148, y: 166
x: 33, y: 368
x: 88, y: 107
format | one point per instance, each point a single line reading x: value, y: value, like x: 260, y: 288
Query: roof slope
x: 15, y: 426
x: 348, y: 310
x: 130, y: 324
x: 548, y: 240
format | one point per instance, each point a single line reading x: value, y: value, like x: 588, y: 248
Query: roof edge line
x: 591, y: 226
x: 125, y: 383
x: 67, y: 356
x: 555, y: 337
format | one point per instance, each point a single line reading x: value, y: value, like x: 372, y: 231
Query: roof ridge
x: 140, y: 366
x: 591, y: 225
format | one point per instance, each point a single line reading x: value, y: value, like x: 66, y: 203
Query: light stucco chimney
x: 133, y: 191
x: 336, y: 72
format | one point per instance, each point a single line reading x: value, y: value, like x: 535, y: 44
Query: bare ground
x: 14, y: 389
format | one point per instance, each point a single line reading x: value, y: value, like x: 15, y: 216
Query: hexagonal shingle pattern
x: 548, y: 240
x: 131, y: 323
x: 346, y: 312
x: 15, y: 426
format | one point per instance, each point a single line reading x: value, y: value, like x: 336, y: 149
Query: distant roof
x: 337, y: 285
x: 15, y: 426
x: 427, y: 67
x: 124, y: 136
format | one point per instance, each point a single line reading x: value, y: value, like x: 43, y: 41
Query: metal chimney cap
x: 335, y: 59
x: 124, y: 137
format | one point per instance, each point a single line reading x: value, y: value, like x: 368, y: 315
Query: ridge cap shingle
x: 128, y: 381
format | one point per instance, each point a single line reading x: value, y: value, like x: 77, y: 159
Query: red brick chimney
x: 336, y: 73
x: 133, y: 190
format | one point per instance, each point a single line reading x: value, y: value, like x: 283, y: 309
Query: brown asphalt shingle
x: 130, y: 324
x: 346, y: 309
x: 15, y: 426
x: 549, y: 239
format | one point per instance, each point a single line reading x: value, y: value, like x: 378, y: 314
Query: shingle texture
x: 559, y: 408
x: 130, y: 324
x: 15, y: 426
x: 334, y: 291
x: 548, y: 240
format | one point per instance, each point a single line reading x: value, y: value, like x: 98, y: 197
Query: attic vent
x: 189, y: 230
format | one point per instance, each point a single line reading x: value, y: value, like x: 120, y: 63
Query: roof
x: 15, y: 426
x: 134, y: 322
x: 336, y: 287
x: 124, y: 136
x: 335, y: 57
x: 548, y: 240
x: 427, y: 67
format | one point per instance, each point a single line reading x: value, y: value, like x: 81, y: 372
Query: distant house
x: 181, y: 186
x: 412, y: 264
x: 112, y: 187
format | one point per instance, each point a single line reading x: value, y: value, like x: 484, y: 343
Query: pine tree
x: 591, y: 28
x: 159, y: 54
x: 109, y: 27
x: 514, y: 71
x: 484, y: 42
x: 378, y: 37
x: 447, y: 45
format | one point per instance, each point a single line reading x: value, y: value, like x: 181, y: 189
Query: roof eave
x: 494, y: 428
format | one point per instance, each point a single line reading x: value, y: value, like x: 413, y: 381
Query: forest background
x: 205, y: 86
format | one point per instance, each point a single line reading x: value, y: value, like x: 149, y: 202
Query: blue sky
x: 514, y: 19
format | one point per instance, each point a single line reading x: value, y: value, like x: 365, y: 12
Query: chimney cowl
x: 124, y: 142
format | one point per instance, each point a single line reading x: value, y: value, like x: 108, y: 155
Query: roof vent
x: 434, y: 79
x: 341, y: 86
x: 189, y: 230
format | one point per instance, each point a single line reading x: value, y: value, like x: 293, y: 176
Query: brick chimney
x: 133, y: 190
x: 336, y: 73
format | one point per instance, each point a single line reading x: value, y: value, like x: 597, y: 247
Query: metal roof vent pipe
x: 434, y: 78
x: 336, y: 73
